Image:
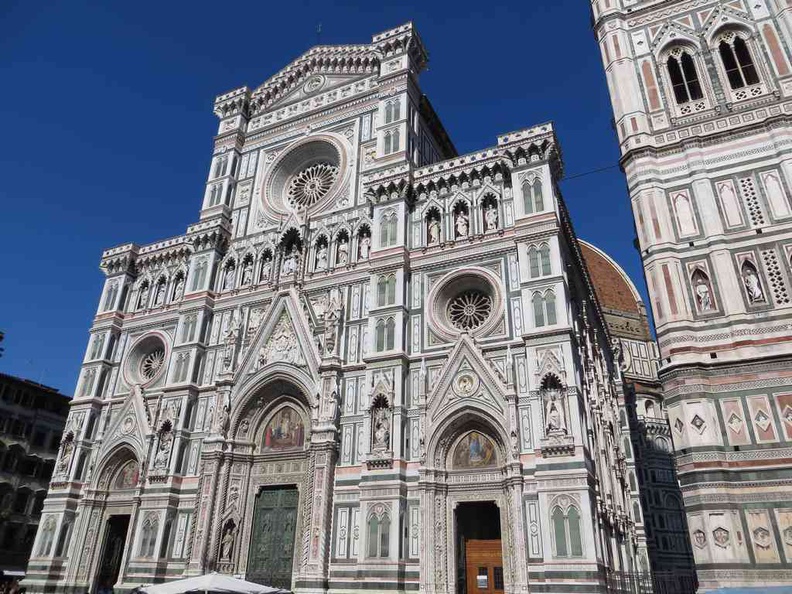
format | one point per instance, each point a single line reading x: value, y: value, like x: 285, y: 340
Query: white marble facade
x: 382, y: 328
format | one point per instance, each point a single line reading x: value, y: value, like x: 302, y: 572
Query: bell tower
x: 702, y: 102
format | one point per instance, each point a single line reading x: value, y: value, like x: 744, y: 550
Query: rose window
x: 311, y: 184
x: 469, y: 310
x: 152, y: 363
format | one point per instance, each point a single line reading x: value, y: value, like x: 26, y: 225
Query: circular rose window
x: 311, y: 184
x: 309, y: 175
x: 469, y: 300
x: 469, y: 310
x: 146, y: 360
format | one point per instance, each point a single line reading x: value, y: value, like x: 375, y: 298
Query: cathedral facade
x: 370, y: 364
x: 702, y: 97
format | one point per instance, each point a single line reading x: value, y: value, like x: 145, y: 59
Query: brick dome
x: 616, y: 293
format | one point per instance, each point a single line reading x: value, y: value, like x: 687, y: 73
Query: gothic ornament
x: 466, y: 384
x: 282, y: 346
x: 469, y: 310
x: 152, y: 363
x: 700, y: 538
x: 721, y: 537
x: 311, y: 184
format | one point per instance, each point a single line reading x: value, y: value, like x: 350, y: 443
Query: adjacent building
x: 32, y: 417
x: 701, y: 95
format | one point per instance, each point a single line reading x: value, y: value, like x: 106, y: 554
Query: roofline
x: 619, y: 269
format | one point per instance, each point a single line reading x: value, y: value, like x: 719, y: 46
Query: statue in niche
x: 266, y: 269
x: 143, y: 297
x: 321, y: 258
x: 178, y: 289
x: 491, y: 217
x: 434, y: 231
x: 752, y: 285
x: 228, y: 279
x: 227, y: 543
x: 703, y: 293
x: 290, y: 262
x: 332, y: 406
x: 365, y: 247
x: 332, y: 319
x: 247, y: 272
x: 230, y: 342
x: 554, y: 413
x: 461, y: 223
x: 159, y: 296
x: 343, y: 252
x: 381, y: 429
x: 66, y: 454
x: 164, y: 449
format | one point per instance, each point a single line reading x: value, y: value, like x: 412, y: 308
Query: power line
x: 568, y: 177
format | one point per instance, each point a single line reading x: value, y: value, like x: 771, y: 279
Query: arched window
x: 148, y: 536
x: 737, y: 61
x: 627, y: 448
x: 392, y: 111
x: 391, y: 144
x: 384, y: 334
x: 536, y: 190
x: 544, y: 258
x: 63, y: 538
x: 544, y: 309
x: 575, y: 542
x: 215, y: 194
x: 559, y: 531
x: 632, y: 482
x: 684, y: 78
x: 386, y: 290
x: 390, y: 331
x: 388, y: 230
x: 636, y: 511
x: 533, y: 200
x: 650, y: 409
x: 566, y: 532
x: 379, y: 536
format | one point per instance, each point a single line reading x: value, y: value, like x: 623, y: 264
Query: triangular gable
x: 723, y: 18
x: 685, y: 21
x: 314, y: 84
x: 129, y: 425
x: 283, y: 337
x: 467, y: 379
x: 674, y: 34
x: 704, y: 15
x: 332, y: 63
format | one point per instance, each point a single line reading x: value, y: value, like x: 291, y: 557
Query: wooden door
x: 272, y: 544
x: 483, y: 566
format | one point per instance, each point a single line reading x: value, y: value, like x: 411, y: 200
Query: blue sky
x: 107, y: 126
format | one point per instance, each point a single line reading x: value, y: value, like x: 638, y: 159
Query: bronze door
x: 272, y: 544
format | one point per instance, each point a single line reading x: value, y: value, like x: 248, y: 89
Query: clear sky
x: 107, y: 127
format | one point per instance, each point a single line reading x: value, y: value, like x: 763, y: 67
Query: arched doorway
x: 119, y: 478
x: 471, y: 492
x: 260, y: 528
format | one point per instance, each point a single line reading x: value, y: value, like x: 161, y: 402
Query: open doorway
x: 114, y: 542
x: 479, y: 550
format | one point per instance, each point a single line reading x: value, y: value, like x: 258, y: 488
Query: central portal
x: 272, y: 544
x: 479, y: 550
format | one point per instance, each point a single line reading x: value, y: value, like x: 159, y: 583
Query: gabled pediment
x: 129, y: 424
x: 468, y: 379
x: 320, y: 69
x: 314, y: 85
x: 283, y: 337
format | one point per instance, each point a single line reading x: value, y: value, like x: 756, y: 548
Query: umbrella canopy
x: 210, y: 582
